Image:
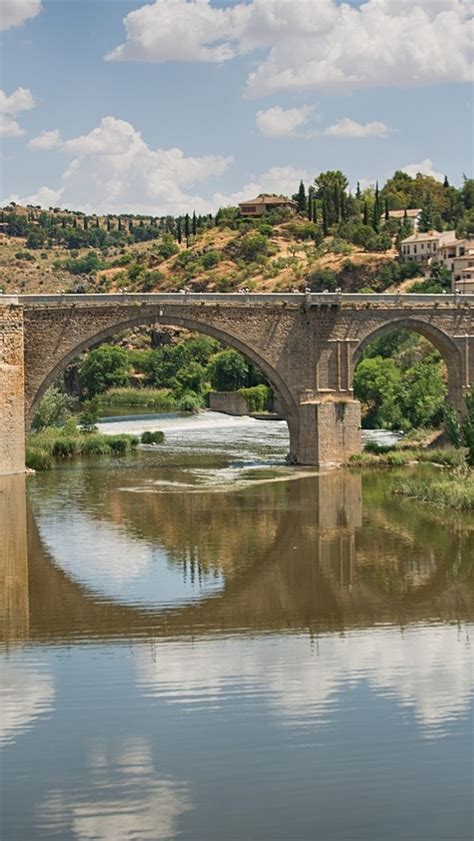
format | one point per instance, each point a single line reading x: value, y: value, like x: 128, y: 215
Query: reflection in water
x: 232, y: 664
x: 427, y: 668
x: 26, y: 693
x: 122, y: 798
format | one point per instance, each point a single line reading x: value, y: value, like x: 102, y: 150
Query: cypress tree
x: 120, y: 223
x: 366, y: 214
x: 387, y: 215
x: 325, y: 218
x: 74, y: 223
x: 358, y: 192
x: 310, y: 206
x: 301, y: 198
x: 314, y: 214
x: 179, y: 234
x: 445, y: 182
x: 376, y: 216
x: 194, y: 223
x: 97, y: 223
x: 187, y: 230
x: 130, y: 225
x: 109, y: 224
x: 86, y: 223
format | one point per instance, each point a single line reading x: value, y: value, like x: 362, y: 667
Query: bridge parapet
x: 307, y: 345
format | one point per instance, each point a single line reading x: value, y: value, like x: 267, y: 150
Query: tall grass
x: 445, y: 491
x: 160, y: 399
x: 53, y: 444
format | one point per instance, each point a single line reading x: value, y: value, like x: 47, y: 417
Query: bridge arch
x: 286, y: 399
x: 440, y: 340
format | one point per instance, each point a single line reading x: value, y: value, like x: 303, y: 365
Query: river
x: 200, y: 642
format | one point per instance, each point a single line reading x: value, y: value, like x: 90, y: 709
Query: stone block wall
x: 12, y: 392
x: 329, y: 432
x: 229, y: 402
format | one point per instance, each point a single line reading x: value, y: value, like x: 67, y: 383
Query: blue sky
x: 249, y: 96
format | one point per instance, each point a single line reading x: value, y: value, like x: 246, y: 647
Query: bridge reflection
x: 297, y: 555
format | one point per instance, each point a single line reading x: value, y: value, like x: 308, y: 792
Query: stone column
x: 329, y: 431
x: 14, y: 600
x: 12, y: 391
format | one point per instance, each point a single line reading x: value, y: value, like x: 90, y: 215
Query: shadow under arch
x: 286, y: 399
x: 443, y: 343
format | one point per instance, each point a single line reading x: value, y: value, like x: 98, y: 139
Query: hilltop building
x: 266, y: 202
x: 412, y: 215
x: 457, y: 255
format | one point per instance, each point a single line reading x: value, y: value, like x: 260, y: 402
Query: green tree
x: 468, y: 426
x: 301, y: 198
x: 54, y: 409
x: 36, y: 239
x: 228, y: 371
x: 103, y: 368
x: 330, y: 187
x: 90, y: 415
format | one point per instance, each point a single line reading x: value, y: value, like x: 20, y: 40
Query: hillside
x: 283, y: 257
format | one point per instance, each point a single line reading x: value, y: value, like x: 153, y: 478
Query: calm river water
x: 198, y: 642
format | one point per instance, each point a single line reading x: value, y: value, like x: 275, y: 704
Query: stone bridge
x: 307, y: 345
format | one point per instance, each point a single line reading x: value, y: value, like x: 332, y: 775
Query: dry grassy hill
x: 217, y: 259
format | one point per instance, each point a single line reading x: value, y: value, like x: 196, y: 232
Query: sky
x: 171, y: 106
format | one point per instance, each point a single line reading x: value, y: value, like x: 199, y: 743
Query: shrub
x: 65, y: 447
x: 149, y: 437
x: 258, y: 397
x: 190, y: 402
x: 121, y: 444
x: 53, y: 409
x: 210, y: 259
x: 322, y: 279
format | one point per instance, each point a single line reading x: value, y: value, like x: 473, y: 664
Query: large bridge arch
x: 286, y: 399
x: 447, y: 347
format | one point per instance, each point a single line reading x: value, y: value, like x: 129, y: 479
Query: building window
x: 414, y: 249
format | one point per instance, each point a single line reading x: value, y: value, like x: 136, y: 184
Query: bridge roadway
x: 307, y: 345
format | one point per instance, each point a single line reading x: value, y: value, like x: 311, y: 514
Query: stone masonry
x: 306, y: 345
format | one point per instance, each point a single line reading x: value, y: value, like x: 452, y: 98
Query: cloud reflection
x: 125, y: 799
x: 425, y: 668
x: 24, y: 695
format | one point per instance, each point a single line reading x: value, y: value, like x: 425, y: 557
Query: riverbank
x: 445, y: 491
x: 52, y: 444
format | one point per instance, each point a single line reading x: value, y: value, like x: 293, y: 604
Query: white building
x: 422, y: 248
x: 458, y: 258
x: 412, y: 215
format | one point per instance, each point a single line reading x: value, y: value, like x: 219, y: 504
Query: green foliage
x: 51, y: 444
x: 258, y: 397
x: 322, y: 279
x: 150, y: 437
x: 468, y: 427
x: 446, y: 491
x: 36, y: 239
x: 401, y: 382
x: 210, y: 259
x: 54, y: 409
x: 228, y: 371
x: 190, y: 402
x: 90, y: 415
x: 87, y: 264
x: 103, y: 368
x: 253, y: 247
x: 167, y: 247
x: 162, y: 399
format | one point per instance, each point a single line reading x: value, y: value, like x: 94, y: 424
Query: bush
x: 190, y: 402
x: 153, y: 437
x: 210, y: 259
x: 228, y: 371
x: 54, y: 408
x: 253, y: 247
x: 258, y: 397
x: 322, y: 279
x: 38, y: 459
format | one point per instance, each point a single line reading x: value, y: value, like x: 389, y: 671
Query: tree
x: 468, y: 427
x: 358, y: 192
x: 89, y: 415
x: 54, y: 409
x: 104, y: 368
x: 365, y: 218
x: 377, y: 384
x: 194, y: 226
x: 426, y: 221
x: 36, y: 239
x: 362, y: 235
x: 329, y: 189
x: 376, y: 210
x: 179, y: 233
x: 301, y: 198
x: 187, y: 229
x: 228, y: 371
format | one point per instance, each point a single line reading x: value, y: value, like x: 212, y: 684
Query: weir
x: 307, y: 345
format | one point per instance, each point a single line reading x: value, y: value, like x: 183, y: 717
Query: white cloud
x: 19, y: 100
x: 114, y: 170
x: 10, y: 127
x: 283, y: 122
x: 327, y: 45
x: 16, y: 12
x: 425, y: 167
x: 346, y: 127
x: 46, y: 140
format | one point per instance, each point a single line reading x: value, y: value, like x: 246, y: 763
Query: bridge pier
x: 12, y: 392
x: 329, y: 431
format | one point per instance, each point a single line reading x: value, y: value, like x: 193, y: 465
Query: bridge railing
x: 294, y: 298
